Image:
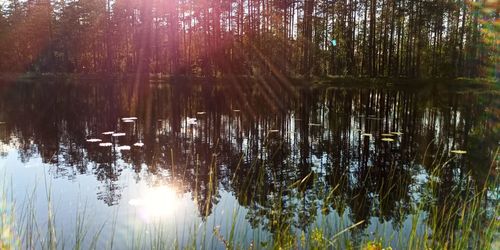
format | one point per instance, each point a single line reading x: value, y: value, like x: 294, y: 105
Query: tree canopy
x: 410, y: 38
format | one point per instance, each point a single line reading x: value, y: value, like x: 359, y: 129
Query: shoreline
x: 340, y: 81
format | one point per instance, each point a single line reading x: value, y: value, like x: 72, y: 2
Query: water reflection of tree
x: 283, y: 177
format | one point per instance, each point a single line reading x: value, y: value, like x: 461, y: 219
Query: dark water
x: 212, y: 152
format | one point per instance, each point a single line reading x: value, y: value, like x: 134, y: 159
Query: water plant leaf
x: 388, y: 139
x: 94, y: 140
x: 129, y: 118
x: 191, y: 121
x: 124, y: 147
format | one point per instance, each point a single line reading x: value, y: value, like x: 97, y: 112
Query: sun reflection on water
x: 157, y: 202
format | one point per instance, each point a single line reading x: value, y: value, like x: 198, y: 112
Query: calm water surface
x: 197, y: 156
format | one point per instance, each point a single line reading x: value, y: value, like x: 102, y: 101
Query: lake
x: 161, y: 165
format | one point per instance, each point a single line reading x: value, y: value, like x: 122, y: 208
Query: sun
x: 157, y: 202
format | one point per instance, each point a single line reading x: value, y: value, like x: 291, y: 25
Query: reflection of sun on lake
x: 157, y: 202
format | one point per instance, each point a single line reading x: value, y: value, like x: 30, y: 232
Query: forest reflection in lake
x: 305, y: 151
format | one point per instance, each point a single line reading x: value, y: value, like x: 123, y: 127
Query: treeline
x: 411, y: 38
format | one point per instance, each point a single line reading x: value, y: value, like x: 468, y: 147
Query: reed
x: 465, y: 221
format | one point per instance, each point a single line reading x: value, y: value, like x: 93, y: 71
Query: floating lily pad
x: 388, y: 139
x: 460, y: 152
x: 105, y: 144
x: 124, y: 147
x: 129, y: 118
x: 191, y: 121
x: 94, y: 140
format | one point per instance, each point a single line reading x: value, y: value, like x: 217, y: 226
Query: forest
x: 249, y: 124
x: 294, y: 38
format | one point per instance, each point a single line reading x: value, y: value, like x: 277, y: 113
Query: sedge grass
x: 463, y: 220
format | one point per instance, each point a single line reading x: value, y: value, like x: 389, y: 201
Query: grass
x: 318, y: 238
x: 461, y: 220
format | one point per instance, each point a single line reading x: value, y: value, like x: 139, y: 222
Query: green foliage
x: 455, y: 226
x: 250, y: 37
